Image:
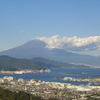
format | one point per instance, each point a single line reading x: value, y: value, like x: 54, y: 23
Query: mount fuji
x: 37, y: 48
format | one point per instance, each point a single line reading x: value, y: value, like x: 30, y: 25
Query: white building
x: 10, y: 78
x: 21, y: 80
x: 79, y: 88
x: 1, y: 80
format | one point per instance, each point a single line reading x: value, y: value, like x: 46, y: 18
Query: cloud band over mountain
x: 72, y: 44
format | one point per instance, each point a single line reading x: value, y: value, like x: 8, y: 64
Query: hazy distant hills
x: 36, y: 48
x: 51, y: 63
x: 10, y: 63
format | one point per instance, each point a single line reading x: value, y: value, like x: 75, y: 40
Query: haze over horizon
x: 72, y: 25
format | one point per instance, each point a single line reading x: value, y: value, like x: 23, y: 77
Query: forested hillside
x: 19, y: 63
x: 8, y: 95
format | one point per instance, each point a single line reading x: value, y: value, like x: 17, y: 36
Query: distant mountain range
x: 10, y: 63
x: 36, y: 48
x: 55, y: 64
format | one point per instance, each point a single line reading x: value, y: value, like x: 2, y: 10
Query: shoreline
x: 25, y: 71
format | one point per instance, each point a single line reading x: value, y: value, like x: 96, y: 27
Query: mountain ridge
x: 37, y: 48
x: 7, y: 62
x: 19, y: 63
x: 52, y: 63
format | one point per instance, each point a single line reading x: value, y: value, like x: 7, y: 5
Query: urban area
x: 46, y: 90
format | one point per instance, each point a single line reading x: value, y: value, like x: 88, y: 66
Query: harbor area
x: 46, y: 90
x: 95, y: 81
x: 26, y: 71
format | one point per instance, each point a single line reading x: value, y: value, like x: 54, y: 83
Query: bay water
x: 59, y: 73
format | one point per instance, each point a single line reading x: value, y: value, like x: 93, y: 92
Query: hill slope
x: 52, y: 63
x: 19, y: 63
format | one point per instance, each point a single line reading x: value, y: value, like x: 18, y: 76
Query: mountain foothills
x: 9, y: 63
x: 37, y: 48
x: 51, y: 63
x: 9, y: 95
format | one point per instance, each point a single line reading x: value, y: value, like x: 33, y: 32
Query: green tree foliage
x: 6, y: 68
x: 8, y: 95
x: 52, y: 99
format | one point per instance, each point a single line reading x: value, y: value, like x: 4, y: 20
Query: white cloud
x: 87, y: 49
x: 21, y: 32
x: 98, y: 47
x: 73, y: 43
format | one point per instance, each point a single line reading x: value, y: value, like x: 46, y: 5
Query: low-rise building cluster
x: 46, y: 90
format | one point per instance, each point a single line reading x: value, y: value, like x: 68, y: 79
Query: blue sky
x: 22, y: 20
